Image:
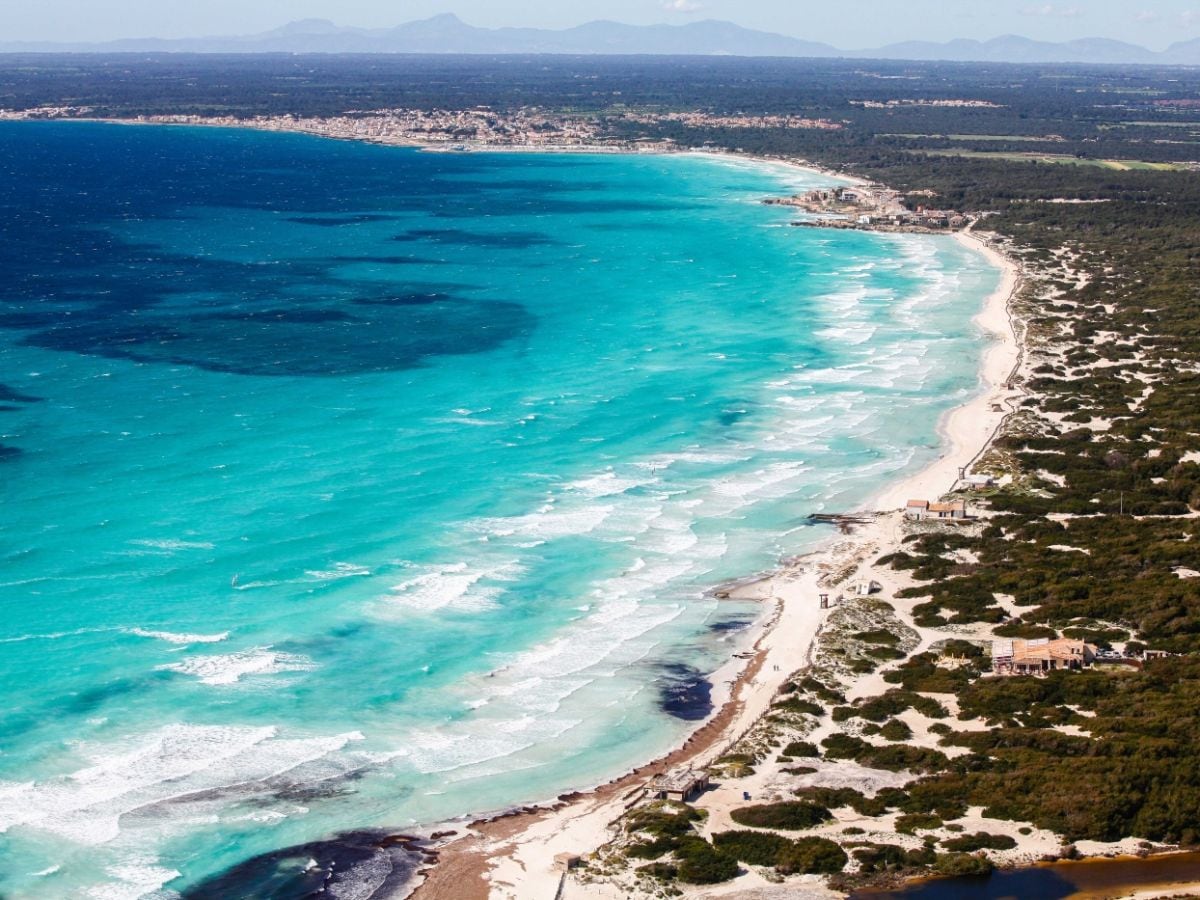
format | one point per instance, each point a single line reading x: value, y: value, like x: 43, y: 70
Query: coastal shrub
x: 894, y: 702
x: 663, y: 819
x: 892, y: 758
x: 737, y: 765
x: 876, y: 858
x: 757, y: 848
x: 900, y: 757
x: 980, y: 840
x: 651, y: 849
x: 800, y: 705
x: 828, y: 694
x: 1028, y: 631
x: 911, y: 823
x: 885, y: 654
x: 843, y: 746
x: 801, y: 748
x: 790, y: 815
x: 895, y: 730
x: 942, y: 796
x: 921, y: 673
x: 799, y: 770
x: 659, y: 871
x: 834, y: 798
x: 1101, y: 637
x: 878, y: 636
x: 843, y: 713
x: 811, y: 856
x: 701, y: 863
x: 960, y: 864
x: 959, y: 649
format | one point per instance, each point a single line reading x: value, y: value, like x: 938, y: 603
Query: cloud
x: 1147, y: 15
x: 684, y: 7
x: 1051, y: 10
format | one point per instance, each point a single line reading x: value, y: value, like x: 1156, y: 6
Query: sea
x: 350, y: 489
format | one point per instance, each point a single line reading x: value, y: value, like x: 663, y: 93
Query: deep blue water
x: 349, y: 487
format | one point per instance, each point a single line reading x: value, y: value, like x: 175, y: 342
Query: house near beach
x: 680, y: 785
x: 1033, y: 657
x: 920, y: 510
x: 917, y: 509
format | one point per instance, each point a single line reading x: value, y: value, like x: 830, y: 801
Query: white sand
x: 967, y: 429
x: 522, y: 866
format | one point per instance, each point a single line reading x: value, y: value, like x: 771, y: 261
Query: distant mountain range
x: 449, y: 34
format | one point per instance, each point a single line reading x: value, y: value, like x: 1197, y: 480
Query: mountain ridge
x: 447, y: 33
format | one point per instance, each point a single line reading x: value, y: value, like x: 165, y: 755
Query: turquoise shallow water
x: 349, y: 486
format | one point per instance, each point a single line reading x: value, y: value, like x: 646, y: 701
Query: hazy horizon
x: 852, y: 24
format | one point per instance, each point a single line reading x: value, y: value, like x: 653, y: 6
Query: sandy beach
x: 513, y: 858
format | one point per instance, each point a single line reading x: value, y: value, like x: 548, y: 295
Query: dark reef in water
x: 12, y: 395
x: 7, y: 452
x: 312, y: 341
x: 389, y: 260
x: 338, y: 221
x: 684, y: 692
x: 83, y: 280
x: 733, y: 623
x: 516, y: 240
x: 359, y: 865
x: 414, y: 299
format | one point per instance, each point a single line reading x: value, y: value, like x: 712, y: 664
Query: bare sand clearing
x: 512, y: 858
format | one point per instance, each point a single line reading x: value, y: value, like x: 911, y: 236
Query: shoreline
x: 511, y: 855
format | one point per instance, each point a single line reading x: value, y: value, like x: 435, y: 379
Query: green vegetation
x: 701, y: 863
x: 801, y: 748
x: 969, y: 843
x: 812, y: 856
x: 911, y: 823
x: 786, y: 816
x: 952, y: 864
x: 758, y: 848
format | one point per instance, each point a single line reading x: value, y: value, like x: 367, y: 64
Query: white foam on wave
x: 549, y: 521
x: 133, y: 879
x: 339, y: 570
x: 53, y: 635
x: 607, y: 484
x: 142, y: 772
x: 457, y: 586
x: 172, y: 545
x: 230, y: 668
x: 172, y: 637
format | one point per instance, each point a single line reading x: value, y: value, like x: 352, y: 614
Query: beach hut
x: 565, y: 862
x: 917, y: 509
x: 955, y: 509
x: 681, y: 785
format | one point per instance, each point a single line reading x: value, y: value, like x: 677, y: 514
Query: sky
x: 849, y: 24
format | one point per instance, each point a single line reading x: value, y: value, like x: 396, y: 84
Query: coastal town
x: 872, y: 208
x: 463, y: 130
